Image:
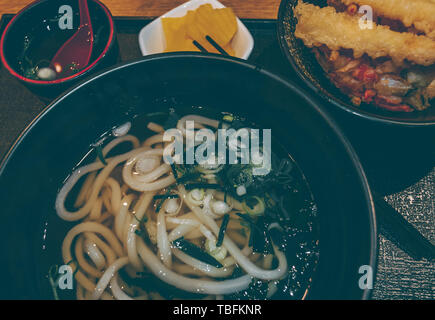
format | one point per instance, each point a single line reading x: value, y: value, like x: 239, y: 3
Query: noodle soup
x: 148, y: 228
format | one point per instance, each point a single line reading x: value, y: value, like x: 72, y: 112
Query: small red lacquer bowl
x: 33, y: 36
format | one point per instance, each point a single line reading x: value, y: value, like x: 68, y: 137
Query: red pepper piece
x: 358, y: 73
x: 399, y: 108
x: 368, y: 95
x: 389, y: 99
x: 365, y: 73
x: 370, y: 75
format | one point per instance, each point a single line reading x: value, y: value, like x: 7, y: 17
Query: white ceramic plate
x: 152, y: 38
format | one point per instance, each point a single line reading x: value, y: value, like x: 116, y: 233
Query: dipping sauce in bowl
x: 35, y: 34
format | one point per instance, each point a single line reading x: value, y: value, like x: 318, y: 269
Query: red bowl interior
x: 39, y: 12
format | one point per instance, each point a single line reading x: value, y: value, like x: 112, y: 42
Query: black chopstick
x: 200, y: 47
x: 214, y: 44
x: 395, y: 228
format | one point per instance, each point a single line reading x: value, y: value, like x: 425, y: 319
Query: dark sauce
x: 39, y: 43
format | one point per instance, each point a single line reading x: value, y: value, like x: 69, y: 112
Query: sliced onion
x: 220, y: 207
x: 196, y: 196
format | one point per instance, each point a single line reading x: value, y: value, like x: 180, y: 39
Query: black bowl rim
x: 360, y: 113
x: 109, y: 44
x: 216, y: 57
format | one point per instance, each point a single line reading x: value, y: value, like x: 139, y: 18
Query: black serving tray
x: 399, y: 162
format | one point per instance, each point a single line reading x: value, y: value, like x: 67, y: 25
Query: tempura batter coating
x: 417, y: 13
x: 317, y: 26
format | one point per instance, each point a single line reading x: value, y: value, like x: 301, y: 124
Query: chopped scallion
x: 254, y: 206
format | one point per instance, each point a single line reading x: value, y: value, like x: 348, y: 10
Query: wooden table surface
x: 248, y: 9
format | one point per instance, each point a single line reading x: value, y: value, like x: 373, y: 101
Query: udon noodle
x: 137, y: 218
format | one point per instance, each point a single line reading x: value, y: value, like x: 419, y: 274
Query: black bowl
x: 304, y: 62
x: 45, y: 153
x: 34, y: 35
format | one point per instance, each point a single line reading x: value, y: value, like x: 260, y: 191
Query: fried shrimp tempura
x: 324, y: 26
x: 417, y: 13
